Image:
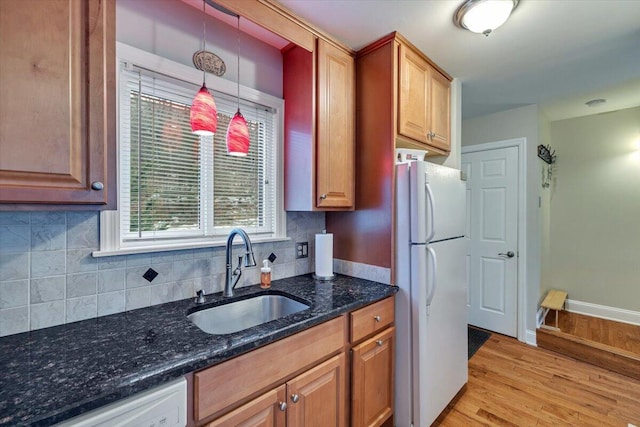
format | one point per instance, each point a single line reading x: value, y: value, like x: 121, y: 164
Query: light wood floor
x: 514, y: 384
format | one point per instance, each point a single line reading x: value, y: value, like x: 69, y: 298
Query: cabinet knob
x: 323, y: 196
x: 282, y: 406
x: 97, y: 185
x: 295, y: 398
x: 379, y: 342
x: 377, y: 318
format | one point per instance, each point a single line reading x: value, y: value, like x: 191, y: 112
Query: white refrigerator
x: 431, y: 311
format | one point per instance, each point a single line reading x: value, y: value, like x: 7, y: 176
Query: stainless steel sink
x: 238, y: 315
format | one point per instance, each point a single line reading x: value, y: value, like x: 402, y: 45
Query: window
x: 177, y: 189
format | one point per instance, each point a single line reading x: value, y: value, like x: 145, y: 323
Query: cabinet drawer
x: 371, y: 319
x: 222, y: 386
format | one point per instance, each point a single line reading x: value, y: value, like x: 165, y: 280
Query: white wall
x: 173, y: 30
x: 518, y: 123
x: 545, y: 208
x: 595, y: 209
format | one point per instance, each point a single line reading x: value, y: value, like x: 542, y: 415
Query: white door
x: 492, y: 221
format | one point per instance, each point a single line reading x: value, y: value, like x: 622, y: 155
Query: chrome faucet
x: 249, y: 261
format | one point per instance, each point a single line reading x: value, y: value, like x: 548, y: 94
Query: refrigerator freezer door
x: 438, y: 198
x: 439, y: 336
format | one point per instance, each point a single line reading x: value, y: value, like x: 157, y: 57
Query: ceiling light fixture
x: 203, y: 115
x: 238, y: 132
x: 484, y: 16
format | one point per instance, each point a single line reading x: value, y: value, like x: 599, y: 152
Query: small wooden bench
x: 554, y: 300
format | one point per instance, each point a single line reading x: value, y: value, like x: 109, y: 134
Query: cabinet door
x: 440, y: 111
x: 57, y: 100
x: 317, y: 397
x: 372, y: 380
x: 267, y: 410
x: 413, y: 93
x: 335, y: 179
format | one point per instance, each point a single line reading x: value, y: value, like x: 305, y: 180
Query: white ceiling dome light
x: 484, y: 16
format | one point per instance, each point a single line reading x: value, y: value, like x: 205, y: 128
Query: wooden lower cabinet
x: 306, y: 380
x: 313, y: 398
x: 265, y: 411
x: 317, y: 397
x: 372, y: 380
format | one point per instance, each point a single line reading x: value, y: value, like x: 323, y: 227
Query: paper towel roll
x: 324, y: 256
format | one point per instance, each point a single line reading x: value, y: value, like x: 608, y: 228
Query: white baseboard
x: 530, y: 338
x: 604, y: 312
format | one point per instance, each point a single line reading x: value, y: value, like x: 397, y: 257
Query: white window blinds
x: 176, y: 185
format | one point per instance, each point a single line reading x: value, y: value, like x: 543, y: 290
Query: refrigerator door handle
x: 433, y: 266
x: 431, y: 218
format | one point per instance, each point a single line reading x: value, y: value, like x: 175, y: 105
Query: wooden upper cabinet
x: 335, y: 181
x: 57, y: 103
x: 413, y: 105
x: 319, y: 93
x: 423, y: 103
x: 401, y: 97
x: 440, y: 111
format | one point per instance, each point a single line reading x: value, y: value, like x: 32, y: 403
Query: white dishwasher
x: 163, y: 406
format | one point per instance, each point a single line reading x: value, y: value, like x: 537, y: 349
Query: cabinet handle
x: 323, y: 196
x: 97, y: 185
x: 379, y: 342
x: 377, y: 318
x: 295, y: 398
x: 282, y: 406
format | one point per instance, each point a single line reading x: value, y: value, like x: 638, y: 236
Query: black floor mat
x: 477, y: 337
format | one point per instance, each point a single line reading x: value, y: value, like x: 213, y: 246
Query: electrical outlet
x: 302, y: 250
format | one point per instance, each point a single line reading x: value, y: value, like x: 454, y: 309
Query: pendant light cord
x: 204, y: 45
x: 238, y: 47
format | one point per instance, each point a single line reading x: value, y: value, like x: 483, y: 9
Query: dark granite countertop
x: 53, y: 374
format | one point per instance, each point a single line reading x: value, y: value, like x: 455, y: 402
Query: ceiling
x: 555, y: 53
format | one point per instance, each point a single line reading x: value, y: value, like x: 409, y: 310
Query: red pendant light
x: 238, y: 131
x: 203, y: 115
x: 238, y: 136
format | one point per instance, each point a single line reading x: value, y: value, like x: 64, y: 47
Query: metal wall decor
x: 207, y: 61
x: 549, y: 157
x: 545, y: 153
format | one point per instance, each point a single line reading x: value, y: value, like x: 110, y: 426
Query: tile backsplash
x: 49, y: 277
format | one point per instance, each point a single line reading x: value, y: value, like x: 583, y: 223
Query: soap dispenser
x: 265, y: 275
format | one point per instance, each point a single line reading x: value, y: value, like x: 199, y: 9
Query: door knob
x: 295, y: 398
x: 97, y: 186
x: 282, y: 406
x: 509, y: 254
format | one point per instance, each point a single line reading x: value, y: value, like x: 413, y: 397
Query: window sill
x: 178, y: 246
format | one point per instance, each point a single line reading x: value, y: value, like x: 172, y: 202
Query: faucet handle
x: 200, y: 297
